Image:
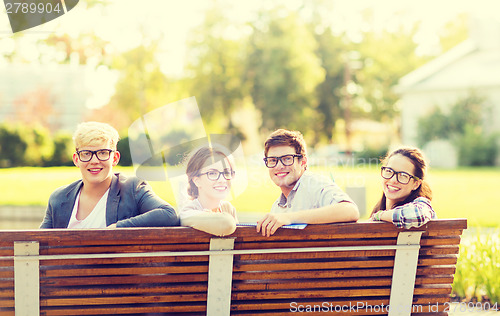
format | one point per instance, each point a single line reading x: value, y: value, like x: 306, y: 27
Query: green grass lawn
x: 471, y: 193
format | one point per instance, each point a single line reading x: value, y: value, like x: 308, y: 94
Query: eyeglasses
x: 101, y: 154
x: 401, y: 176
x: 214, y: 175
x: 286, y: 160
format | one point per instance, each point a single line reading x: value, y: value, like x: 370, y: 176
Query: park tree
x: 330, y: 51
x: 386, y: 57
x: 36, y: 107
x: 283, y: 71
x: 141, y: 87
x: 215, y: 70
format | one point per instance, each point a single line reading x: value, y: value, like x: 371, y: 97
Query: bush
x: 476, y: 149
x: 123, y: 147
x: 464, y: 127
x: 39, y: 148
x: 369, y: 152
x: 12, y: 146
x: 63, y: 151
x: 478, y: 267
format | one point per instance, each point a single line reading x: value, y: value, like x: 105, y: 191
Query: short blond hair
x: 94, y: 134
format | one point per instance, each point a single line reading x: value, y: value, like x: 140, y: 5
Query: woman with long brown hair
x: 406, y: 198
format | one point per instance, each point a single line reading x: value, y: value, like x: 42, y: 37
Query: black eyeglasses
x: 101, y: 154
x: 286, y: 160
x: 401, y: 176
x: 214, y: 175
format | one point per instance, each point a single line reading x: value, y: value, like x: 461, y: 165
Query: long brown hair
x: 197, y: 161
x: 417, y: 159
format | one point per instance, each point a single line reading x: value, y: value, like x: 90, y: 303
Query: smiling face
x: 96, y: 172
x: 286, y: 176
x: 213, y: 191
x: 394, y: 191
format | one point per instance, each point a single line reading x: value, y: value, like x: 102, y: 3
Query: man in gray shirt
x: 305, y: 197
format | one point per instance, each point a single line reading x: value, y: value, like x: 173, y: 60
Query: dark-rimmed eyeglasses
x: 286, y: 160
x: 214, y: 175
x: 402, y: 177
x: 101, y: 154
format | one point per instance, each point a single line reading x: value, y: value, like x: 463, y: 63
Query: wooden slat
x: 6, y: 304
x: 135, y: 279
x: 123, y: 299
x: 301, y: 265
x: 120, y: 249
x: 124, y: 289
x: 83, y: 271
x: 114, y: 310
x: 261, y: 285
x: 6, y: 274
x: 124, y: 260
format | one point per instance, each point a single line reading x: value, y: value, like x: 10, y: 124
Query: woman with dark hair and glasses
x: 406, y: 198
x: 102, y: 198
x: 209, y: 173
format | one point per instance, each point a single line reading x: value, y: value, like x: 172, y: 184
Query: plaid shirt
x: 413, y: 214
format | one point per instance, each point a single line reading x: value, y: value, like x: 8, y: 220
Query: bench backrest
x: 354, y: 267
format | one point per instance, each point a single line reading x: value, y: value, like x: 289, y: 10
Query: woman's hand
x: 226, y: 207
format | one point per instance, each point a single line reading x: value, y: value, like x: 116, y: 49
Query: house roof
x: 471, y: 64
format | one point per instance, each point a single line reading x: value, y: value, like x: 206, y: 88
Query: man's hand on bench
x: 271, y: 222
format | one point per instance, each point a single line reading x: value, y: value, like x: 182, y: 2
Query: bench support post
x: 404, y: 273
x: 27, y: 278
x: 220, y: 276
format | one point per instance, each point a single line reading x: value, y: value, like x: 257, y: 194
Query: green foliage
x: 39, y: 148
x: 12, y: 146
x: 475, y: 148
x: 330, y: 51
x: 381, y: 71
x: 369, y: 152
x: 123, y: 147
x: 63, y: 150
x: 434, y: 126
x: 464, y: 127
x: 22, y: 145
x: 217, y: 67
x: 284, y: 71
x: 141, y: 88
x: 478, y: 267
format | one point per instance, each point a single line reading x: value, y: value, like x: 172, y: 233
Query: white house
x: 473, y: 65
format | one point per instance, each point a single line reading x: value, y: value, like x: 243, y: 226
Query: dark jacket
x: 131, y: 203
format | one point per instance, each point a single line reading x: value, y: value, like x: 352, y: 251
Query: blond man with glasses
x: 102, y: 198
x: 305, y: 197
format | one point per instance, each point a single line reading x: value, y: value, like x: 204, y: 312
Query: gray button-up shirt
x: 311, y: 191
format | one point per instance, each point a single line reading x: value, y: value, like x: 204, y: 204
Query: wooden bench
x: 355, y: 268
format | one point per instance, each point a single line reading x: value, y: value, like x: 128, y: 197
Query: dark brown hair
x: 417, y: 159
x: 283, y: 137
x: 197, y: 161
